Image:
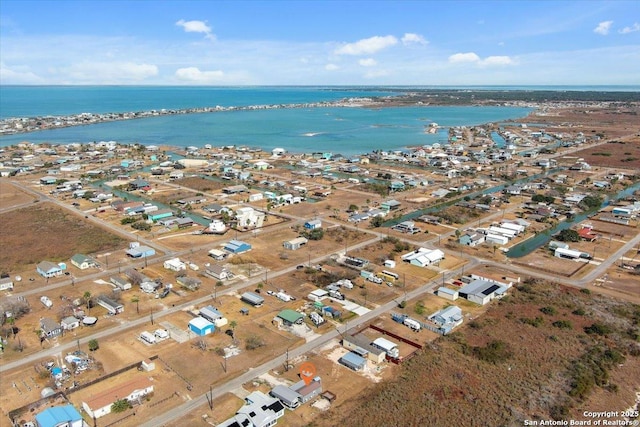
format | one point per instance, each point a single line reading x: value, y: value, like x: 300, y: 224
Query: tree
x: 568, y: 235
x: 93, y: 345
x: 233, y: 325
x: 120, y: 405
x: 135, y: 299
x: 87, y: 299
x: 376, y: 222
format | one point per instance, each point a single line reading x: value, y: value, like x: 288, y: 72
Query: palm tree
x: 136, y: 300
x: 233, y: 325
x: 87, y: 299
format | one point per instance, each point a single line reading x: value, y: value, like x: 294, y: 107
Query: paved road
x: 279, y: 361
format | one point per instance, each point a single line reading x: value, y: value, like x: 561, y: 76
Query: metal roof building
x: 352, y: 361
x: 252, y: 298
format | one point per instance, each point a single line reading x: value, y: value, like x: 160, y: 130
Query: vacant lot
x: 11, y: 195
x: 528, y: 358
x: 621, y: 154
x: 45, y: 232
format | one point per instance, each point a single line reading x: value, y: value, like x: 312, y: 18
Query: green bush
x: 548, y: 310
x: 494, y: 352
x: 562, y: 324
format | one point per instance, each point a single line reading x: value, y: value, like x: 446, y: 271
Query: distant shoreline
x: 405, y: 96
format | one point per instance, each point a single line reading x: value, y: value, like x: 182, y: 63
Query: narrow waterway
x: 541, y: 239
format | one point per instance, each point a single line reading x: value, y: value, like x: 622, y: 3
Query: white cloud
x: 331, y: 67
x: 497, y: 60
x: 367, y: 46
x: 464, y: 57
x: 369, y: 62
x: 195, y: 75
x: 18, y: 75
x: 376, y: 74
x: 603, y: 28
x: 412, y: 38
x: 197, y: 27
x: 108, y: 72
x: 632, y: 29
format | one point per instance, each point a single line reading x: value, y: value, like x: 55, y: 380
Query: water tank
x: 46, y: 392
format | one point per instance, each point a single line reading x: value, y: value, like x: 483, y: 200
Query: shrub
x: 562, y: 324
x: 254, y: 342
x: 548, y: 310
x: 494, y: 352
x: 538, y: 321
x: 598, y: 329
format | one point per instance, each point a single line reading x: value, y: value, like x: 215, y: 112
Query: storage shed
x: 352, y: 361
x: 446, y: 293
x: 295, y: 244
x: 201, y: 326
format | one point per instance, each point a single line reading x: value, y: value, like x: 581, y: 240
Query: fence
x: 112, y: 374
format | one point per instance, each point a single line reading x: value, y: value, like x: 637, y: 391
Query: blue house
x: 48, y: 269
x: 201, y: 326
x: 237, y: 247
x: 59, y: 416
x: 141, y: 252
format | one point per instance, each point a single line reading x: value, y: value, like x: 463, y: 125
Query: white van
x: 148, y: 337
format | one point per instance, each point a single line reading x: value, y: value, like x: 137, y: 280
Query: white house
x: 249, y: 217
x: 423, y: 257
x: 99, y: 404
x: 174, y: 264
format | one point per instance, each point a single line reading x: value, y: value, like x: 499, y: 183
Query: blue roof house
x: 56, y: 416
x: 49, y: 269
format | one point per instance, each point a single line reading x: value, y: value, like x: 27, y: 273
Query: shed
x: 252, y: 298
x: 295, y: 244
x: 352, y: 361
x: 201, y: 326
x: 446, y: 293
x: 317, y: 295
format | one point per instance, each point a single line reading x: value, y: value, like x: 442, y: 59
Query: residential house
x: 218, y: 272
x: 390, y: 205
x: 140, y: 251
x: 210, y: 313
x: 59, y: 416
x: 190, y: 283
x: 289, y: 317
x: 587, y: 234
x: 471, y: 239
x: 83, y: 261
x: 260, y: 410
x: 249, y: 217
x: 69, y: 323
x: 50, y: 328
x: 120, y: 283
x: 313, y: 224
x: 113, y: 307
x: 298, y: 393
x: 49, y: 269
x: 252, y: 298
x: 99, y: 404
x: 423, y: 257
x: 174, y: 264
x: 482, y: 291
x: 361, y: 345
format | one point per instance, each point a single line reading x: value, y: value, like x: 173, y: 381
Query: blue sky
x: 318, y: 42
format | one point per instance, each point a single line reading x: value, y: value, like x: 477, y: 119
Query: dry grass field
x: 11, y: 195
x: 533, y: 355
x: 45, y: 232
